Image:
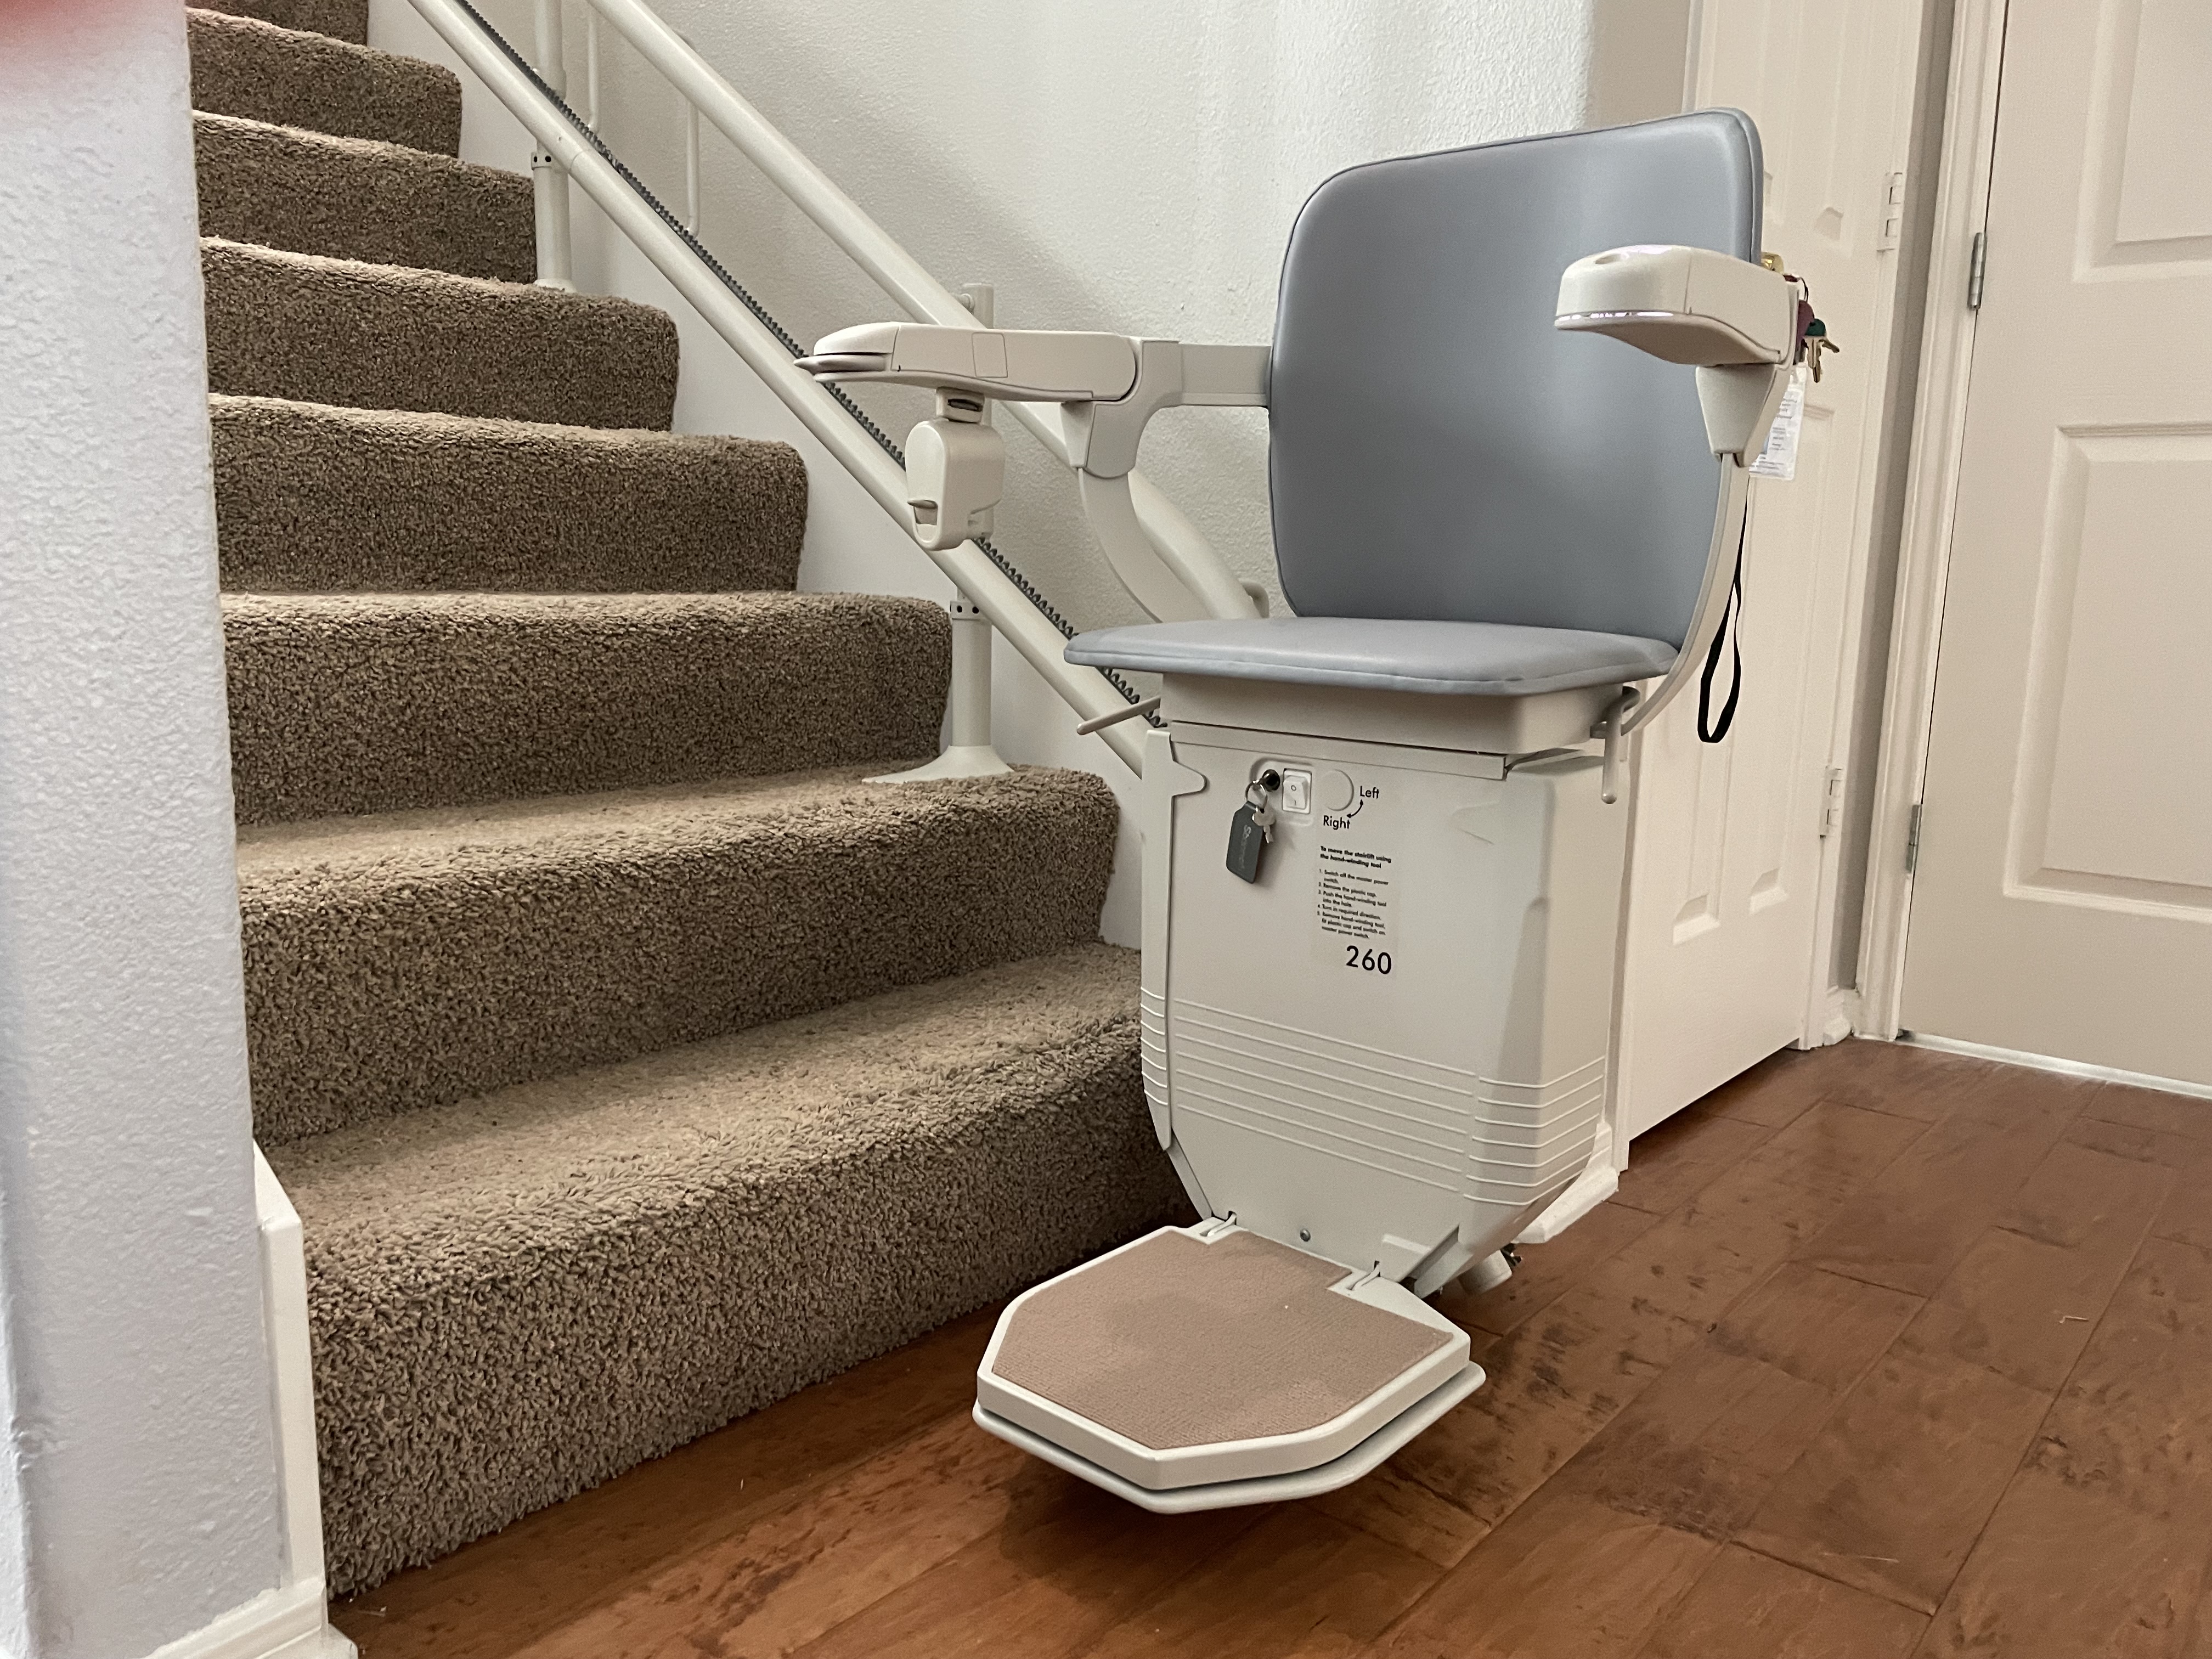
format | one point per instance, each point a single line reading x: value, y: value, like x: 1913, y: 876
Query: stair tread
x: 403, y: 961
x: 368, y: 702
x: 770, y: 1101
x: 522, y: 1294
x: 361, y: 199
x: 263, y: 71
x: 325, y: 497
x: 320, y: 328
x: 335, y: 20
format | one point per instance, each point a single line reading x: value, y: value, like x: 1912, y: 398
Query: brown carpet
x: 318, y: 331
x: 245, y: 67
x: 396, y: 963
x: 375, y: 702
x: 342, y: 20
x: 1181, y: 1343
x: 518, y: 1296
x: 355, y: 198
x: 473, y: 576
x: 430, y: 501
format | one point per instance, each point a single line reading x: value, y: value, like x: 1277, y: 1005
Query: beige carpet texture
x: 317, y: 331
x: 519, y: 1296
x: 354, y: 500
x: 341, y: 19
x: 355, y: 198
x: 374, y: 702
x: 244, y: 67
x: 631, y: 1059
x: 393, y: 963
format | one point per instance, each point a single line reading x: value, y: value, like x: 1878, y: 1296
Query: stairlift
x: 1376, y: 1027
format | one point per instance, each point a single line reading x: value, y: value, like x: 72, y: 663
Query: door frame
x: 1964, y: 162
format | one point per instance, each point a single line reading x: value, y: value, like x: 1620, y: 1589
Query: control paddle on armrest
x: 1738, y: 322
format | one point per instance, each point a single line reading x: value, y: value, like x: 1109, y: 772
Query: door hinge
x: 1975, y: 263
x: 1832, y: 801
x: 1912, y: 842
x: 1892, y: 213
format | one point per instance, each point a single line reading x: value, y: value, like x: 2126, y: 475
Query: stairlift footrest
x: 1361, y: 1459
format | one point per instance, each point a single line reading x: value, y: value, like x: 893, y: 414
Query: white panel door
x: 1725, y: 926
x: 2063, y: 901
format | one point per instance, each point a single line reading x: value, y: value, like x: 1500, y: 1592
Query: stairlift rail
x: 898, y: 273
x: 675, y: 251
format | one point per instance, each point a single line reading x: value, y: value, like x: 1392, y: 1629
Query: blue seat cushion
x: 1449, y: 659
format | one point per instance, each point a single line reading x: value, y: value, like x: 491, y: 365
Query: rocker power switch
x: 1298, y: 791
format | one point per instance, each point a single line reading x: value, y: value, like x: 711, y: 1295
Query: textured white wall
x: 137, y: 1482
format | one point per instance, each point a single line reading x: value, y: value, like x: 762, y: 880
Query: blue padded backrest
x: 1439, y: 450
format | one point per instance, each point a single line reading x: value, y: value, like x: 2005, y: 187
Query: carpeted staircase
x: 632, y: 1062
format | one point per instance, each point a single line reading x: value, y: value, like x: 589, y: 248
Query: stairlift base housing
x: 1388, y: 1054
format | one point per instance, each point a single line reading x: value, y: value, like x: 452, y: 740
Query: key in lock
x: 1252, y: 826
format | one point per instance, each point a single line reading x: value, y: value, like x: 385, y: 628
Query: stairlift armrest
x: 1687, y: 305
x: 1123, y: 381
x: 1018, y: 365
x: 1108, y: 386
x: 1736, y: 322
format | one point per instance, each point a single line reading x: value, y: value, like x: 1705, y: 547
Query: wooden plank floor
x: 1878, y: 1352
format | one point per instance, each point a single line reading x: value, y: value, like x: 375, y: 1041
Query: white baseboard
x: 290, y: 1623
x: 2170, y: 1085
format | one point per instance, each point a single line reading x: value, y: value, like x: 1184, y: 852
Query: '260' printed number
x: 1372, y: 962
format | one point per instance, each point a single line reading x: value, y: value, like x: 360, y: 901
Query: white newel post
x: 547, y: 175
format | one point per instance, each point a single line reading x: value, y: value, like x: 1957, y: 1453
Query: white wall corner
x: 290, y: 1623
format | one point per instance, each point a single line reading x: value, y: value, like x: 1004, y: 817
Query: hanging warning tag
x: 1778, y: 460
x: 1248, y: 839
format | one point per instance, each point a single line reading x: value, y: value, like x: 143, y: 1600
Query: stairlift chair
x: 1375, y: 1029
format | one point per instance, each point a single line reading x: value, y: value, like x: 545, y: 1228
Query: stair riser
x: 328, y: 332
x: 321, y: 84
x: 675, y: 1325
x: 368, y: 996
x: 336, y: 711
x: 311, y: 499
x: 342, y: 20
x: 351, y: 200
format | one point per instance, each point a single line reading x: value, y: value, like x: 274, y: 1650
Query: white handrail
x: 900, y: 275
x: 1085, y: 689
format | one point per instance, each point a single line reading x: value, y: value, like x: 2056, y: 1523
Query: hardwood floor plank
x: 2101, y: 1543
x: 1922, y: 1084
x: 1700, y: 1446
x: 1547, y: 1271
x: 1892, y: 1494
x: 2024, y: 1298
x: 2153, y: 1109
x: 797, y: 1573
x: 1299, y: 1585
x: 1776, y: 1092
x: 496, y: 1596
x: 1394, y: 1507
x: 2187, y: 1214
x: 1071, y: 1563
x: 1564, y: 1576
x: 1669, y: 1165
x: 1562, y: 1376
x: 1746, y: 1607
x: 1910, y: 1229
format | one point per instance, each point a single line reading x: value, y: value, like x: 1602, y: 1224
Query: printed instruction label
x: 1778, y: 460
x: 1353, y: 893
